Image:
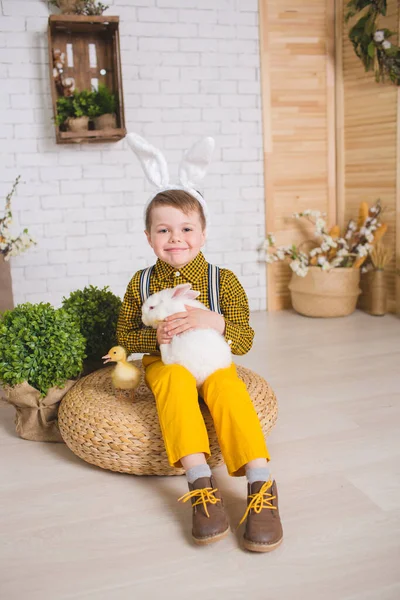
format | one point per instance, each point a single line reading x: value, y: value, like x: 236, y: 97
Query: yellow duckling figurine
x: 125, y: 376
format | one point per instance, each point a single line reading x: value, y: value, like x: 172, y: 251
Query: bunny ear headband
x: 192, y: 169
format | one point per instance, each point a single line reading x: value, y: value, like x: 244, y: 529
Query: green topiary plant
x: 80, y: 104
x: 84, y: 103
x: 105, y: 101
x: 41, y: 345
x: 96, y: 311
x: 65, y: 110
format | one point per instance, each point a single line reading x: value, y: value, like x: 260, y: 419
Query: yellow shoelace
x: 203, y: 496
x: 260, y: 500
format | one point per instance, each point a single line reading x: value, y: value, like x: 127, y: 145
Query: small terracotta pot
x: 107, y: 121
x: 79, y: 124
x: 325, y: 293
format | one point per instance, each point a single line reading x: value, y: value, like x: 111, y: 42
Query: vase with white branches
x: 326, y: 268
x: 10, y: 245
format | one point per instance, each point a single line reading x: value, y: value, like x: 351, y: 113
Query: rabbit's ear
x: 181, y: 290
x: 184, y: 291
x: 195, y: 162
x: 152, y: 160
x: 191, y: 295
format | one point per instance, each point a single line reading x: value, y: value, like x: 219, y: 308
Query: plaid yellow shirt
x: 136, y: 337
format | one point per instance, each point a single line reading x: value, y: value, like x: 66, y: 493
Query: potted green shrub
x: 41, y: 350
x: 74, y: 112
x: 96, y: 312
x: 105, y: 107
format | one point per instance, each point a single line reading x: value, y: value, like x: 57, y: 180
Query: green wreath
x: 372, y: 44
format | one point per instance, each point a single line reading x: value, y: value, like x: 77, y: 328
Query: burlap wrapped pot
x: 36, y: 417
x: 77, y: 125
x: 106, y: 121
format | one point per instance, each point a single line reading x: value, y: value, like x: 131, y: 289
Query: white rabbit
x: 201, y: 351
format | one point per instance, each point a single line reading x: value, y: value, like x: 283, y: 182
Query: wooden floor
x: 69, y: 530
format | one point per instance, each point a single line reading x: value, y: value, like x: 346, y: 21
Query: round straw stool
x: 121, y: 434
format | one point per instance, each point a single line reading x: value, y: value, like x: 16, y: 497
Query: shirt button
x: 230, y: 342
x: 176, y: 273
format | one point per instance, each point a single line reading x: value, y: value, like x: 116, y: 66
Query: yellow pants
x: 235, y: 419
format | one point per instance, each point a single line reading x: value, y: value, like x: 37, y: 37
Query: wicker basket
x: 125, y: 436
x: 325, y: 293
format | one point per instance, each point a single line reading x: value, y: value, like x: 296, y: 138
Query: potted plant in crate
x: 96, y: 312
x: 74, y: 112
x: 326, y: 270
x: 10, y: 246
x: 41, y: 350
x: 105, y: 105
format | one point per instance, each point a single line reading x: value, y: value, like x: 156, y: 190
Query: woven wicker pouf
x: 124, y: 435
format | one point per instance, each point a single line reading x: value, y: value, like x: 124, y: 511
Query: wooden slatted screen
x: 331, y: 133
x: 297, y: 64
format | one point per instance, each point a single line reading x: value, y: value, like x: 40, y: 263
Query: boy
x: 176, y: 231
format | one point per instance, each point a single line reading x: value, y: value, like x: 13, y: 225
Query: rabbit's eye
x: 151, y: 307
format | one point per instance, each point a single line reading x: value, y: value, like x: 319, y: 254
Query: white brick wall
x: 189, y: 68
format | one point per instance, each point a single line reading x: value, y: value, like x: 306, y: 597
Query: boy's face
x: 175, y: 237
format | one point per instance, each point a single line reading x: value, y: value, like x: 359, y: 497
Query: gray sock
x: 258, y: 474
x: 198, y: 471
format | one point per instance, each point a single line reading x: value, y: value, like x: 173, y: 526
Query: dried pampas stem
x: 380, y: 256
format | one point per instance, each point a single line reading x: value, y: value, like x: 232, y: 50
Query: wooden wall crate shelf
x: 92, y: 50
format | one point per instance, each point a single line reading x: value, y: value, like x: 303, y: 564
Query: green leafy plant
x: 80, y: 104
x: 105, y: 101
x: 41, y: 345
x: 65, y: 110
x: 96, y: 311
x: 84, y: 103
x: 372, y: 44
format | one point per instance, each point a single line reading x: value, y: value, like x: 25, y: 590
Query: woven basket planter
x: 124, y: 435
x: 374, y: 293
x: 325, y: 293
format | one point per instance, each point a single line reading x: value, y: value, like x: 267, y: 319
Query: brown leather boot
x: 210, y: 522
x: 263, y: 526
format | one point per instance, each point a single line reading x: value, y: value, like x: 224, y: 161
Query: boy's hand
x: 194, y: 318
x: 162, y: 336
